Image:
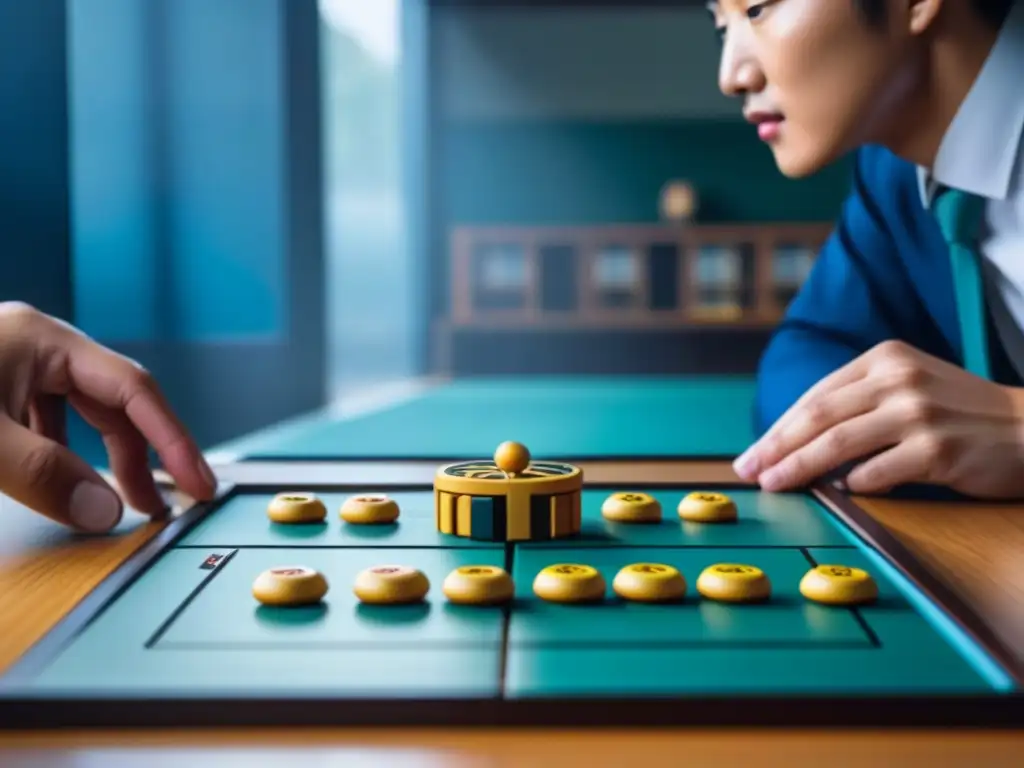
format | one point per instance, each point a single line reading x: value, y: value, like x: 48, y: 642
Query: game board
x: 176, y: 636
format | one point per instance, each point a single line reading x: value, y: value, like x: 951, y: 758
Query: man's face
x: 815, y: 77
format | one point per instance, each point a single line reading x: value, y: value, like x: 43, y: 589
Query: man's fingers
x: 48, y: 478
x: 907, y: 462
x: 48, y: 417
x: 806, y: 423
x: 116, y: 382
x: 849, y: 440
x: 128, y: 453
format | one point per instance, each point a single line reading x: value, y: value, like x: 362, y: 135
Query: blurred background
x: 280, y: 206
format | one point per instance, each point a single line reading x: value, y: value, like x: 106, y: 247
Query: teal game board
x: 572, y: 417
x: 175, y: 636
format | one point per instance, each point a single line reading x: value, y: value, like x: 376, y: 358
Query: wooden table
x: 978, y: 549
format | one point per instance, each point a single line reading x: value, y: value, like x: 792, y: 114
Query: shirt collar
x: 980, y: 152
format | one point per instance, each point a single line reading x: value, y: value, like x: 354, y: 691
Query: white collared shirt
x: 983, y: 153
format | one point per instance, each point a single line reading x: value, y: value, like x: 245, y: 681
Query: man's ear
x: 921, y: 15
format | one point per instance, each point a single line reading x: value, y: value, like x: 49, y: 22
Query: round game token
x: 707, y: 507
x: 296, y: 508
x: 569, y: 583
x: 369, y: 509
x: 734, y: 583
x: 628, y: 507
x: 386, y: 584
x: 649, y: 583
x: 290, y: 585
x: 838, y: 585
x: 512, y: 458
x: 478, y: 585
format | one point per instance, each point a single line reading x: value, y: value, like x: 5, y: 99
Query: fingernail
x: 746, y: 465
x: 94, y: 508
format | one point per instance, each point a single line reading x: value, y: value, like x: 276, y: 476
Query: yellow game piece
x: 385, y: 584
x: 569, y: 583
x: 478, y: 585
x: 838, y: 585
x: 296, y: 508
x: 649, y: 583
x: 707, y: 507
x: 290, y: 585
x: 479, y: 500
x: 512, y: 458
x: 372, y: 509
x: 733, y: 583
x: 627, y: 507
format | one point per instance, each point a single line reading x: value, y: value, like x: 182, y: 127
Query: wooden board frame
x: 1002, y: 710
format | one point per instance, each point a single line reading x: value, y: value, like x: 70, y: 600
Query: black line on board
x: 166, y: 625
x: 857, y: 616
x: 506, y: 623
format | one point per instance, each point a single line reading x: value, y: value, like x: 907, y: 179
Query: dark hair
x: 992, y: 11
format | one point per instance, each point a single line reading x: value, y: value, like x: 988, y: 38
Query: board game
x: 508, y: 591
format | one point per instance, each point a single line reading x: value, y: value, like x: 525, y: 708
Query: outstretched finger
x: 45, y: 476
x: 128, y: 453
x: 114, y: 381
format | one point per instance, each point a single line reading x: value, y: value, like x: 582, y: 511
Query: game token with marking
x: 734, y: 583
x: 838, y: 585
x: 629, y: 507
x: 369, y: 509
x: 512, y: 458
x: 391, y: 584
x: 569, y: 583
x: 296, y: 508
x: 707, y: 507
x: 649, y: 583
x: 478, y: 585
x: 290, y: 585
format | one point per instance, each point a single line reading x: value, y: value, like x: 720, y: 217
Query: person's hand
x: 43, y: 364
x: 907, y: 417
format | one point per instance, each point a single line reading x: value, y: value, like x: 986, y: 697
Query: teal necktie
x: 959, y: 215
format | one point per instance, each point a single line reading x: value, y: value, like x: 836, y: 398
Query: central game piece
x: 509, y: 499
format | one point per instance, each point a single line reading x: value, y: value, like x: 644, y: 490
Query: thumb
x: 48, y: 478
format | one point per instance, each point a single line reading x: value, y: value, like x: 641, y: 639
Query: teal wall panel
x: 224, y: 142
x: 566, y: 172
x: 112, y: 111
x: 178, y: 128
x: 34, y: 217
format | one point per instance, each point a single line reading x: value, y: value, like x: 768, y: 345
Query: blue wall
x: 178, y: 156
x: 34, y: 226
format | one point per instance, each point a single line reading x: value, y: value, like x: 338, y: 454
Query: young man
x: 901, y: 361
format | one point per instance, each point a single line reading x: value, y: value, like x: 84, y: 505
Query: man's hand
x: 45, y: 363
x: 910, y: 417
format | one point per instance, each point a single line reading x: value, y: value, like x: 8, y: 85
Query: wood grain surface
x: 44, y: 571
